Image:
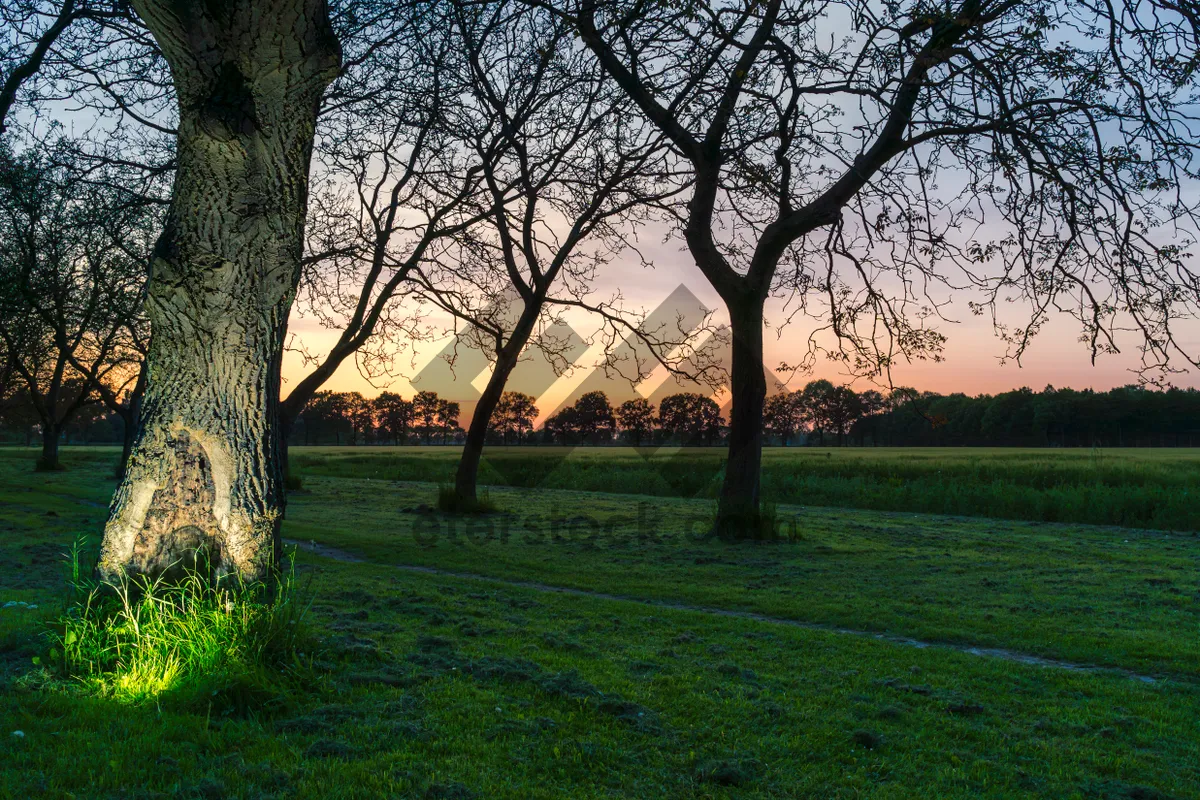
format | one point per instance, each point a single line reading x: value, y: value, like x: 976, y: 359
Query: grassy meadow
x: 445, y: 667
x: 1140, y: 488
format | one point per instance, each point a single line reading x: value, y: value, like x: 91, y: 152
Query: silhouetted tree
x: 561, y: 426
x: 360, y: 414
x: 593, y: 419
x: 446, y: 418
x: 396, y: 183
x: 816, y: 406
x: 636, y: 419
x: 395, y: 415
x: 514, y: 415
x: 72, y: 271
x: 325, y: 413
x: 31, y: 30
x: 872, y: 404
x: 691, y: 418
x: 843, y: 408
x: 1065, y: 126
x: 783, y: 415
x: 426, y: 406
x: 565, y: 173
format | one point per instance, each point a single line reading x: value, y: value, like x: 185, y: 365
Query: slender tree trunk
x: 205, y: 474
x: 50, y: 435
x: 467, y: 477
x: 737, y: 506
x: 129, y: 416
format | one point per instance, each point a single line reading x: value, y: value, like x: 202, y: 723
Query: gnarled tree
x: 396, y: 184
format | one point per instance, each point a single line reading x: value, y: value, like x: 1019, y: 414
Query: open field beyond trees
x: 1140, y: 488
x: 679, y: 666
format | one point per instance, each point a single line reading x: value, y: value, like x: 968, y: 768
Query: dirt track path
x: 344, y: 556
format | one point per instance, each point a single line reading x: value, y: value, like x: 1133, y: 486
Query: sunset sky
x: 972, y: 357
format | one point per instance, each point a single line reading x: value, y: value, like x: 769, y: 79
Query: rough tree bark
x: 205, y: 475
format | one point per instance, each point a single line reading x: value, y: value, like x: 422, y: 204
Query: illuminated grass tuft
x: 190, y: 643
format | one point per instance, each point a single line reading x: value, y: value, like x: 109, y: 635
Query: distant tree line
x: 342, y: 418
x: 1127, y: 416
x: 820, y: 414
x: 89, y: 423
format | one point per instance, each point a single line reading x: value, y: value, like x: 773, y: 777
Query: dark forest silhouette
x: 820, y: 414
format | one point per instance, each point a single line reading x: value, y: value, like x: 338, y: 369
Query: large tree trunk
x: 737, y: 507
x: 205, y: 475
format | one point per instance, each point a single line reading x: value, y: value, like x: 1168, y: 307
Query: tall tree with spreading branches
x: 397, y: 184
x: 565, y: 177
x: 854, y: 155
x: 72, y: 270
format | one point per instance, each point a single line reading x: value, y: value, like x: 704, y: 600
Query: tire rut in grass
x: 1000, y: 653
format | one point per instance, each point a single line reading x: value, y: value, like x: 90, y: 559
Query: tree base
x: 176, y: 514
x: 452, y: 502
x: 749, y: 524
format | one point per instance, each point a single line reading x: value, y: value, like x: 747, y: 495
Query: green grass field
x: 481, y: 684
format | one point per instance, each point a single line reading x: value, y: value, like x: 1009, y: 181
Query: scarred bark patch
x: 181, y: 531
